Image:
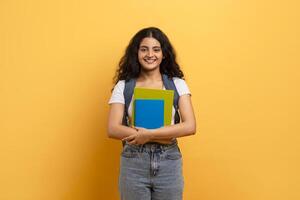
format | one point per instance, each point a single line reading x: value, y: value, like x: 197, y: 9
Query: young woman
x: 151, y: 162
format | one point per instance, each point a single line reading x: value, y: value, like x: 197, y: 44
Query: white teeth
x: 150, y: 61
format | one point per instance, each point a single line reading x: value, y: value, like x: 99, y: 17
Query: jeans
x: 151, y: 171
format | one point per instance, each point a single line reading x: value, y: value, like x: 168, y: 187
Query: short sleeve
x: 117, y: 95
x: 181, y: 86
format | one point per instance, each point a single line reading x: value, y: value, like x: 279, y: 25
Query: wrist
x: 133, y: 128
x: 151, y: 134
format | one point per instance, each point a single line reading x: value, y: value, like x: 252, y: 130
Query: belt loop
x: 152, y: 148
x: 141, y: 148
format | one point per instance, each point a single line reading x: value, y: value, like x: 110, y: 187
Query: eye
x: 143, y: 49
x: 157, y: 50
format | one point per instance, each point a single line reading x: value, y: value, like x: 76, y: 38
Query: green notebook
x: 166, y: 95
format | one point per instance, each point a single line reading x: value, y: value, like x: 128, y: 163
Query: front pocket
x: 173, y: 156
x: 173, y: 153
x: 129, y: 154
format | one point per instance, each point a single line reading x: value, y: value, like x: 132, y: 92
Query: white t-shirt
x: 118, y: 96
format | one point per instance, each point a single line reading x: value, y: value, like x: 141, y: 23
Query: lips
x: 150, y: 61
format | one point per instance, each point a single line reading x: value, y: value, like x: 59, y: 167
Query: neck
x: 150, y: 75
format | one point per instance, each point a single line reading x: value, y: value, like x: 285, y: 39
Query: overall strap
x: 169, y: 85
x: 128, y: 92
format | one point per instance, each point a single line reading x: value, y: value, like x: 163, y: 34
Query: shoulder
x: 120, y: 84
x: 181, y: 86
x: 117, y: 93
x: 178, y: 81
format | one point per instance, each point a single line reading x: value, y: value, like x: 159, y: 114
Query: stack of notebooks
x: 152, y: 108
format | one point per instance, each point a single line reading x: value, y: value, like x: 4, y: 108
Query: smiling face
x: 150, y: 54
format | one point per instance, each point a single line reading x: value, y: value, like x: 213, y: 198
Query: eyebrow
x: 147, y: 46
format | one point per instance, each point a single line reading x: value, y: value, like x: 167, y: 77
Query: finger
x: 132, y: 142
x: 128, y: 138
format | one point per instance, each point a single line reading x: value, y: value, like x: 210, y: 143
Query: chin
x: 150, y: 68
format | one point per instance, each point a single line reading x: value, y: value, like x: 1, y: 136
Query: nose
x: 150, y: 53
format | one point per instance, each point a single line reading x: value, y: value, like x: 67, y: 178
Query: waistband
x: 153, y: 146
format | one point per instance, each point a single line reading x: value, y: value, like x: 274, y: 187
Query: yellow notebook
x: 166, y: 95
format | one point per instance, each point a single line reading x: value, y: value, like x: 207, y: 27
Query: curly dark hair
x: 129, y: 66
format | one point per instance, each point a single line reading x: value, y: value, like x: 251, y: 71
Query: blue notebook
x: 149, y: 113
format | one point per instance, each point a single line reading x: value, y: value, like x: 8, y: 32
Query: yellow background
x: 241, y: 61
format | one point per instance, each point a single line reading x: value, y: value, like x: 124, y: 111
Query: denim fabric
x: 151, y: 172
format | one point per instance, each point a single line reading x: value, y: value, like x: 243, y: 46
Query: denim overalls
x: 151, y: 171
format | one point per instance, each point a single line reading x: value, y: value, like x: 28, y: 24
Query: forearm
x: 173, y: 131
x: 120, y: 131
